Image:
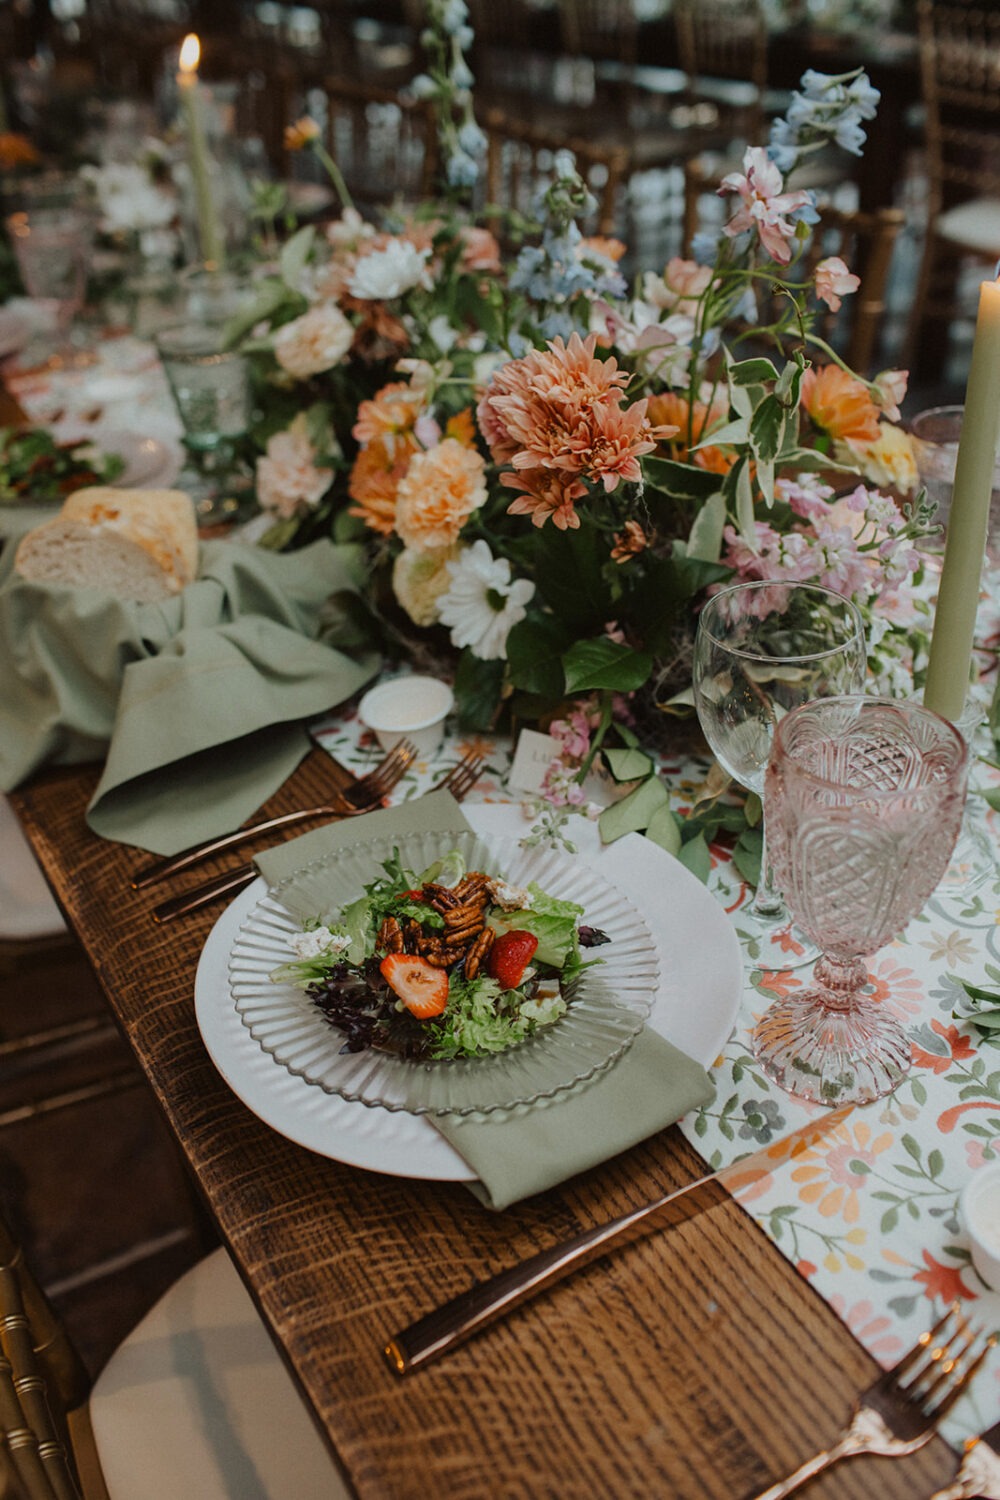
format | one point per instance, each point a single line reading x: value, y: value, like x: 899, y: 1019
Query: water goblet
x: 763, y: 648
x: 935, y: 435
x: 210, y: 383
x: 51, y: 232
x: 864, y: 800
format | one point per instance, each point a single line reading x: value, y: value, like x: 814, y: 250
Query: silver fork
x: 459, y: 781
x: 349, y: 797
x: 902, y: 1410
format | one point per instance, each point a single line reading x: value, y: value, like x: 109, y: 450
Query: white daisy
x: 483, y: 603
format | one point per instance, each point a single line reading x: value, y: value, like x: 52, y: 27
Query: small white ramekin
x: 979, y: 1209
x: 413, y: 708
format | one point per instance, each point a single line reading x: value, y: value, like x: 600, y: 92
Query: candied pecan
x: 441, y: 897
x: 461, y: 916
x: 480, y: 948
x: 439, y: 960
x: 456, y: 939
x: 390, y: 936
x: 473, y: 883
x: 412, y: 933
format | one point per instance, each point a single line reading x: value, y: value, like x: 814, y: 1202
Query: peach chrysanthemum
x: 389, y: 415
x: 375, y: 480
x: 547, y: 496
x: 667, y: 409
x: 840, y: 404
x: 629, y: 542
x: 439, y: 491
x: 607, y: 443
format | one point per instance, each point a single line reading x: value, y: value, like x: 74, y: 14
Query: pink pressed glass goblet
x: 863, y: 798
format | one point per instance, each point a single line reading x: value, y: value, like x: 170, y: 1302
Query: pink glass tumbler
x: 863, y: 799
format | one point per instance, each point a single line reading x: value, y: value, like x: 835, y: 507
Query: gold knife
x: 457, y: 1320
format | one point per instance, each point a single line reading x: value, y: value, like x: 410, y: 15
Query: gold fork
x: 459, y: 781
x: 902, y: 1410
x: 349, y: 797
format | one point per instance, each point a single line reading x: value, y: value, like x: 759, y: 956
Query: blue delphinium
x: 826, y: 108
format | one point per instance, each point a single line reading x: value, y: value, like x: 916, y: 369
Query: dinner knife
x: 458, y: 1319
x: 980, y: 1470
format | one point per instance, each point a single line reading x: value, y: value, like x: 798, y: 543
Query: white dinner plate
x: 701, y: 984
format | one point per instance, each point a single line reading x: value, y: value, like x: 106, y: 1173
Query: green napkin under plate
x: 196, y: 704
x: 516, y: 1153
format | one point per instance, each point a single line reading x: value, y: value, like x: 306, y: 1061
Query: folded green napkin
x: 196, y: 704
x: 518, y: 1152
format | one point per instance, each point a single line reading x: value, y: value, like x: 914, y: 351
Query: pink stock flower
x: 765, y: 206
x: 834, y: 281
x: 890, y: 389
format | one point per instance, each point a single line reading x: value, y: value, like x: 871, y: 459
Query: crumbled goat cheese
x: 318, y: 941
x: 510, y: 897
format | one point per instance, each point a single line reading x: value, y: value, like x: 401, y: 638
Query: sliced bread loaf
x: 135, y: 544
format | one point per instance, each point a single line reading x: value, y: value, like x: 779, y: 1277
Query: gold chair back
x: 960, y: 81
x: 519, y: 163
x: 722, y: 49
x: 43, y: 1388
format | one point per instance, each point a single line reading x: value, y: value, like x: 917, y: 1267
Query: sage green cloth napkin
x: 516, y: 1153
x: 196, y: 703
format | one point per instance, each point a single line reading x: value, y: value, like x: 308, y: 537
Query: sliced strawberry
x: 422, y: 988
x: 510, y: 956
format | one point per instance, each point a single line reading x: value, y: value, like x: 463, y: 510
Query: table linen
x: 198, y: 703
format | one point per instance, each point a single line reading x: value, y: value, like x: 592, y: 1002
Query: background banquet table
x: 695, y: 1363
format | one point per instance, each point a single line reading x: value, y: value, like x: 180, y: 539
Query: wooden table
x: 695, y: 1363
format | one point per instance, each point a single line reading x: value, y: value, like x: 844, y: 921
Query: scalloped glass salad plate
x: 607, y: 1004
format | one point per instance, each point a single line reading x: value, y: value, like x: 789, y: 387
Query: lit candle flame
x: 190, y: 53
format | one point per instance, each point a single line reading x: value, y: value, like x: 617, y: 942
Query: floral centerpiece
x: 543, y: 467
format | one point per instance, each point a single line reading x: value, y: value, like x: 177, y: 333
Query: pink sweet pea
x: 833, y: 281
x: 764, y: 204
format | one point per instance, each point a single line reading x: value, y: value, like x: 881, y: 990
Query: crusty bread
x: 135, y: 544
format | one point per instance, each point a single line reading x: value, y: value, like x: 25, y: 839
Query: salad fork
x: 459, y: 781
x: 902, y: 1410
x: 350, y: 796
x: 979, y: 1473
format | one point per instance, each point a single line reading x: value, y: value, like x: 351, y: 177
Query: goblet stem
x: 768, y: 903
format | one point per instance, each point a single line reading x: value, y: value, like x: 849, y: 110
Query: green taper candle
x: 950, y: 665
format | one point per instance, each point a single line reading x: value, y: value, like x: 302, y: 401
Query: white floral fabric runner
x: 870, y: 1216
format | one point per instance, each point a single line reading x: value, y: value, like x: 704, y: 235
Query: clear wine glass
x: 210, y: 383
x: 864, y: 801
x: 51, y: 231
x: 761, y: 650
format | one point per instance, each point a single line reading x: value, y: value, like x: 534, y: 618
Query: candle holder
x: 935, y: 435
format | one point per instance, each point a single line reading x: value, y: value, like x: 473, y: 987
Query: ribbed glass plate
x: 607, y: 1006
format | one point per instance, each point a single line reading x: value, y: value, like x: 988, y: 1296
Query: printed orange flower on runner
x: 825, y: 1173
x: 840, y: 404
x: 899, y: 989
x: 942, y: 1283
x: 959, y: 1050
x: 869, y: 1327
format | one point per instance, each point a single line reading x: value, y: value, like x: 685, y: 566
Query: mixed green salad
x: 446, y: 963
x: 35, y: 469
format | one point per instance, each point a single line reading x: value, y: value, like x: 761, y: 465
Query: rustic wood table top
x: 695, y: 1364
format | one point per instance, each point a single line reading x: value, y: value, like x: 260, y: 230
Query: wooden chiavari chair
x: 195, y: 1401
x: 960, y: 77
